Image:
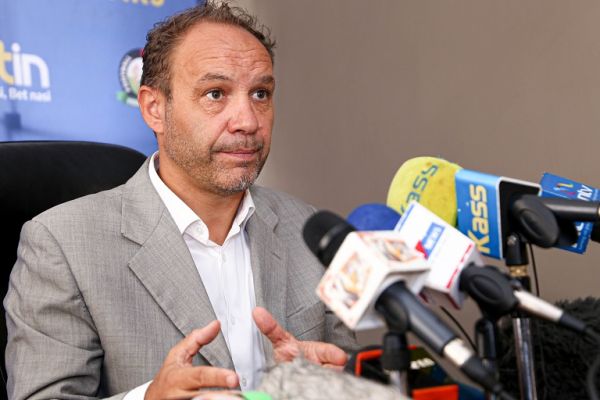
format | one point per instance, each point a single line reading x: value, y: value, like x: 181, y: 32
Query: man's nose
x: 243, y: 117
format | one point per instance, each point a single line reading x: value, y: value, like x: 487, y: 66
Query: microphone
x: 559, y: 194
x: 447, y: 250
x: 488, y: 208
x: 373, y: 217
x: 380, y: 218
x: 360, y: 265
x: 429, y: 181
x: 498, y: 295
x: 495, y: 293
x: 395, y: 302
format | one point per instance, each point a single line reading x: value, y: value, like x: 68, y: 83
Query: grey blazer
x: 104, y: 286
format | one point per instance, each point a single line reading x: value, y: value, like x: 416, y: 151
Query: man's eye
x: 261, y: 94
x: 215, y: 94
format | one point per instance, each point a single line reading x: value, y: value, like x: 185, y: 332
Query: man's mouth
x: 242, y: 154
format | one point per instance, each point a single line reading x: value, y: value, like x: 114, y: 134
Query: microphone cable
x: 460, y: 328
x: 535, y: 271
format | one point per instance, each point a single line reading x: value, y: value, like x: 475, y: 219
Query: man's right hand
x: 179, y: 379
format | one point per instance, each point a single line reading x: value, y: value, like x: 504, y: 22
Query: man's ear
x: 152, y: 105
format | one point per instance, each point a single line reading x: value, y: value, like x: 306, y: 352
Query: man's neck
x: 215, y: 210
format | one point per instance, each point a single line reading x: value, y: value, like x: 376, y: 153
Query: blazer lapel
x: 268, y: 267
x: 164, y: 265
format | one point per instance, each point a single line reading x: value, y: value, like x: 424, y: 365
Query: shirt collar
x: 184, y: 216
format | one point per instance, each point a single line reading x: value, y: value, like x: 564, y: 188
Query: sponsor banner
x: 75, y: 75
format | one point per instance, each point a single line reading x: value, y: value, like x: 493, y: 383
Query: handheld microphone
x: 400, y: 307
x: 360, y: 265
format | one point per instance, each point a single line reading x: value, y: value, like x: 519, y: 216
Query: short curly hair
x: 165, y: 35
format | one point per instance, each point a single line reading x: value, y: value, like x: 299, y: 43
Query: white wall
x: 507, y: 87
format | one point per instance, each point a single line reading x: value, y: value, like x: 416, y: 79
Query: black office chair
x: 35, y: 176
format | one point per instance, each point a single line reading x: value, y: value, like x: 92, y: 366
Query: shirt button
x: 232, y: 321
x: 244, y: 382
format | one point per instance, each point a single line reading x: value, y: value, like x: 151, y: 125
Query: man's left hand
x: 286, y: 347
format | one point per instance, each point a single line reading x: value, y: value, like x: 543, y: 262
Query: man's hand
x: 286, y: 347
x: 179, y: 379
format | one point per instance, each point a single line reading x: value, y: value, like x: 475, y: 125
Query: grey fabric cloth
x: 104, y: 286
x: 302, y: 380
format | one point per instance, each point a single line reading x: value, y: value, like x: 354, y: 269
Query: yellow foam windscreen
x: 429, y: 181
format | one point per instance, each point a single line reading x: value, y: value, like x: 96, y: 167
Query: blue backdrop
x: 69, y: 69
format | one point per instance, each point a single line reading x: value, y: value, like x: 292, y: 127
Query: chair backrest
x: 35, y: 176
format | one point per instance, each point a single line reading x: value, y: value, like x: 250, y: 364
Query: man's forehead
x: 266, y: 79
x: 212, y: 40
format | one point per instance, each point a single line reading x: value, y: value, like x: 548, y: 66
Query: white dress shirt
x: 227, y: 277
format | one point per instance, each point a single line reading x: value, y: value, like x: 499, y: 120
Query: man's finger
x: 269, y: 327
x: 204, y: 376
x: 183, y: 352
x: 324, y: 353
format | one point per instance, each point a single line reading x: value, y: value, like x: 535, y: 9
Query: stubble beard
x: 206, y: 171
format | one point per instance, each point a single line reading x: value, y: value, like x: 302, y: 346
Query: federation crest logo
x: 130, y: 74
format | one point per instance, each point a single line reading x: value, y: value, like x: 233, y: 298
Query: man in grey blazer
x: 110, y: 295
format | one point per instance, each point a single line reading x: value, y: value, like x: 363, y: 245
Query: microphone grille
x: 324, y: 233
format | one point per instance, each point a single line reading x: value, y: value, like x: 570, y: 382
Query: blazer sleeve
x: 53, y: 349
x: 338, y: 333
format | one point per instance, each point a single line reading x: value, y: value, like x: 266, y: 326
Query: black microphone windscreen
x: 324, y: 233
x: 562, y: 357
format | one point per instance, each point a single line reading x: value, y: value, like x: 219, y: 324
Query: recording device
x: 325, y: 233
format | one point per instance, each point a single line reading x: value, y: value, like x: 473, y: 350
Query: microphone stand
x: 396, y: 356
x: 486, y: 339
x: 396, y: 360
x: 516, y: 261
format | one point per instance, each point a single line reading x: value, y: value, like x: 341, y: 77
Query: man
x: 116, y: 294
